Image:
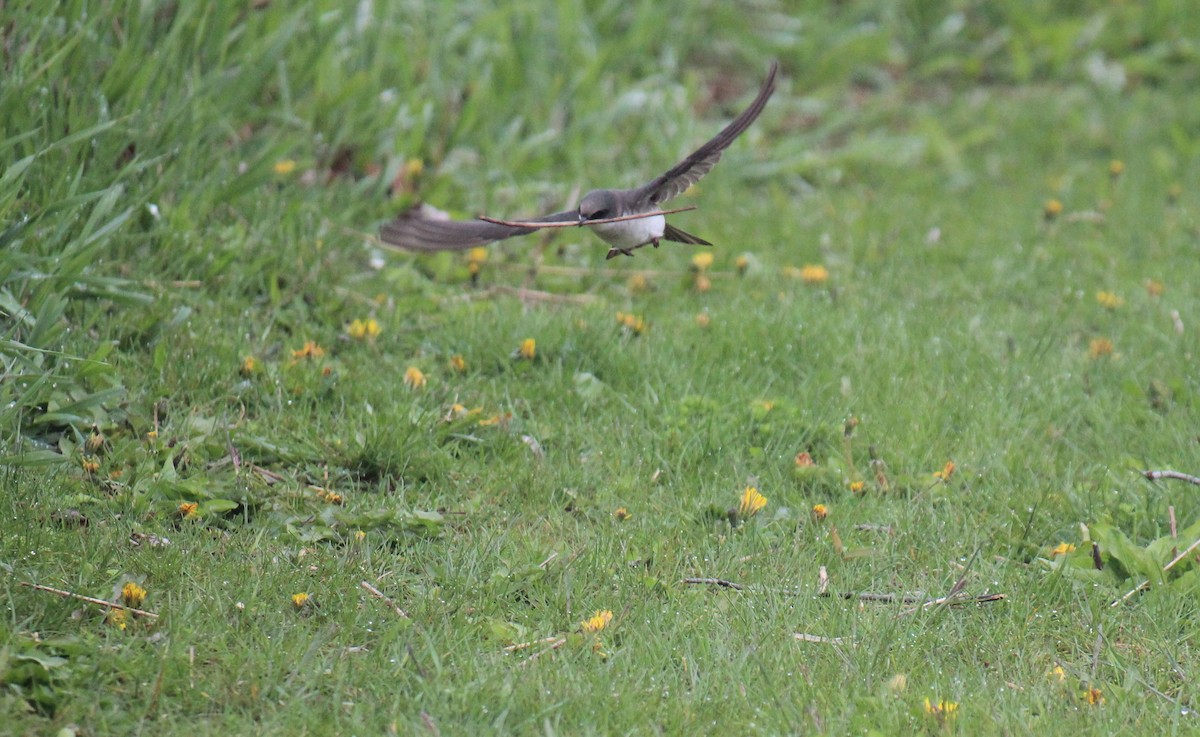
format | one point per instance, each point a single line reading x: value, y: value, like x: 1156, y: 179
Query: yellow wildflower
x: 1063, y: 549
x: 703, y: 320
x: 1100, y: 347
x: 359, y: 536
x: 742, y: 264
x: 1052, y: 209
x: 804, y: 460
x: 703, y: 283
x: 946, y: 472
x: 310, y: 349
x: 764, y: 404
x: 413, y: 167
x: 189, y: 510
x: 751, y: 502
x: 458, y: 364
x: 500, y: 419
x: 1109, y: 300
x: 941, y: 709
x: 814, y: 274
x: 1058, y: 674
x: 597, y: 621
x: 90, y: 465
x: 479, y: 254
x: 702, y: 260
x: 631, y: 323
x: 1154, y: 288
x: 117, y: 618
x: 528, y: 349
x: 301, y: 600
x: 1116, y: 168
x: 94, y: 442
x: 363, y: 329
x: 152, y: 435
x: 622, y: 514
x: 1093, y: 696
x: 132, y: 595
x: 820, y: 511
x: 284, y: 166
x: 857, y: 487
x: 638, y: 283
x: 249, y: 366
x: 334, y: 498
x: 414, y: 378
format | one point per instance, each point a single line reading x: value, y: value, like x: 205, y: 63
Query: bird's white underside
x: 632, y: 233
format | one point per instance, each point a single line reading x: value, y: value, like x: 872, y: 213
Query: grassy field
x: 367, y: 492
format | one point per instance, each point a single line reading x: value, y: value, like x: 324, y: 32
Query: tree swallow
x: 417, y: 230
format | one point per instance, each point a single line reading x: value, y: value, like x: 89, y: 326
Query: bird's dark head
x: 598, y: 205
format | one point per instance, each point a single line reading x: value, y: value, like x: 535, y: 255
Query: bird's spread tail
x: 671, y: 233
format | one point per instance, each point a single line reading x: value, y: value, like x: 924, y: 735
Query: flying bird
x: 417, y: 230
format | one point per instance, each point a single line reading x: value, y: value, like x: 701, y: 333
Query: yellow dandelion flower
x: 702, y: 261
x: 820, y: 511
x: 528, y: 349
x: 479, y: 254
x: 132, y: 595
x: 363, y: 329
x: 1154, y: 288
x: 1109, y: 300
x: 152, y: 435
x: 414, y: 378
x: 1100, y: 347
x: 117, y: 618
x: 703, y: 283
x: 189, y: 510
x: 413, y: 167
x: 1052, y: 209
x: 751, y: 502
x: 1063, y: 549
x: 500, y: 419
x: 946, y: 472
x: 622, y: 514
x: 301, y: 600
x: 814, y: 274
x: 1057, y: 673
x: 284, y: 166
x: 310, y: 349
x: 90, y: 465
x: 941, y: 709
x: 597, y: 621
x: 742, y: 264
x: 804, y: 460
x: 638, y: 283
x: 631, y: 323
x: 1116, y: 168
x: 334, y: 498
x: 703, y: 320
x: 858, y: 487
x: 1093, y: 696
x: 359, y: 535
x: 458, y: 364
x: 249, y: 366
x: 94, y: 442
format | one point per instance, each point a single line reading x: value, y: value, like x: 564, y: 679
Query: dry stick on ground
x: 387, y: 600
x: 92, y: 600
x: 1146, y: 584
x: 863, y: 596
x: 569, y: 224
x: 1177, y: 475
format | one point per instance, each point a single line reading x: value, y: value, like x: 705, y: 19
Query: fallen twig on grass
x: 715, y: 582
x: 1177, y: 475
x: 90, y: 599
x: 1146, y: 584
x: 818, y: 639
x: 576, y: 224
x: 868, y: 596
x: 386, y: 599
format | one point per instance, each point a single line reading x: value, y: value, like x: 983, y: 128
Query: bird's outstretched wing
x: 417, y: 230
x: 702, y: 160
